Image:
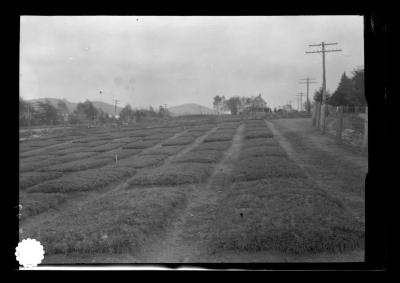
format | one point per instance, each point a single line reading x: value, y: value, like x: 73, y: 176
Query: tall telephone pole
x: 115, y: 103
x: 308, y: 81
x: 300, y: 96
x: 323, y: 51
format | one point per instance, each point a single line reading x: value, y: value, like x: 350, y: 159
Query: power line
x: 308, y: 81
x: 323, y: 51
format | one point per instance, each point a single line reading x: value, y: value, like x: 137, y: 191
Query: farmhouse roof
x: 259, y: 101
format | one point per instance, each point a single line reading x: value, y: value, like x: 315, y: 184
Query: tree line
x: 45, y: 113
x: 235, y: 104
x: 349, y: 92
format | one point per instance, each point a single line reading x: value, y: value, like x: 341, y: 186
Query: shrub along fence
x: 348, y: 124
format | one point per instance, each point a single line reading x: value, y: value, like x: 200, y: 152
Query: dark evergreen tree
x: 357, y: 97
x: 126, y: 114
x: 342, y: 93
x: 46, y: 114
x: 318, y: 95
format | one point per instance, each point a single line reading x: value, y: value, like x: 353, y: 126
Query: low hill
x: 190, y: 109
x: 106, y: 107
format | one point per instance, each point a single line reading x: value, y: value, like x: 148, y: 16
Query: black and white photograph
x: 192, y: 139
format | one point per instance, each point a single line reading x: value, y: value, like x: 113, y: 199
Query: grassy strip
x: 92, y: 144
x: 64, y: 146
x: 124, y: 139
x: 75, y: 156
x: 223, y: 145
x: 255, y: 123
x: 44, y: 161
x: 37, y: 157
x: 159, y: 136
x: 141, y: 133
x: 69, y: 150
x: 30, y: 179
x: 200, y: 128
x: 27, y: 155
x: 142, y: 161
x: 120, y: 222
x: 84, y: 180
x: 180, y: 141
x: 104, y: 147
x: 77, y: 165
x: 35, y: 203
x: 92, y: 139
x: 256, y: 134
x: 255, y: 168
x: 286, y: 215
x: 120, y: 153
x: 27, y: 166
x: 263, y: 150
x: 36, y: 143
x: 201, y: 156
x: 165, y: 150
x: 173, y: 174
x: 257, y: 142
x: 220, y: 136
x: 140, y: 144
x: 228, y: 126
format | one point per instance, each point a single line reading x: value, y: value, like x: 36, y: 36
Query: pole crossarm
x: 333, y: 50
x: 333, y: 43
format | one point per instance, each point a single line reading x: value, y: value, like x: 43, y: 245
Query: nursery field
x: 188, y: 190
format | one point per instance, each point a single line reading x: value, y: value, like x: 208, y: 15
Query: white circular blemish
x: 29, y: 253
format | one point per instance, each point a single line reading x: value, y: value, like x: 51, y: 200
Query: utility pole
x: 165, y: 109
x: 300, y: 95
x: 323, y: 51
x: 308, y: 81
x: 115, y: 103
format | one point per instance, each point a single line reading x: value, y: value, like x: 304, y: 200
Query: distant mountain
x: 190, y: 109
x: 106, y: 107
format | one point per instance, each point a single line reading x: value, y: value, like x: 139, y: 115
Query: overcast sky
x: 174, y: 60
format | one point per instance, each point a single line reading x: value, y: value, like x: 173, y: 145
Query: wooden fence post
x: 339, y: 128
x: 365, y: 137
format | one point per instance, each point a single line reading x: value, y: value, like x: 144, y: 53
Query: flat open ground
x: 194, y: 191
